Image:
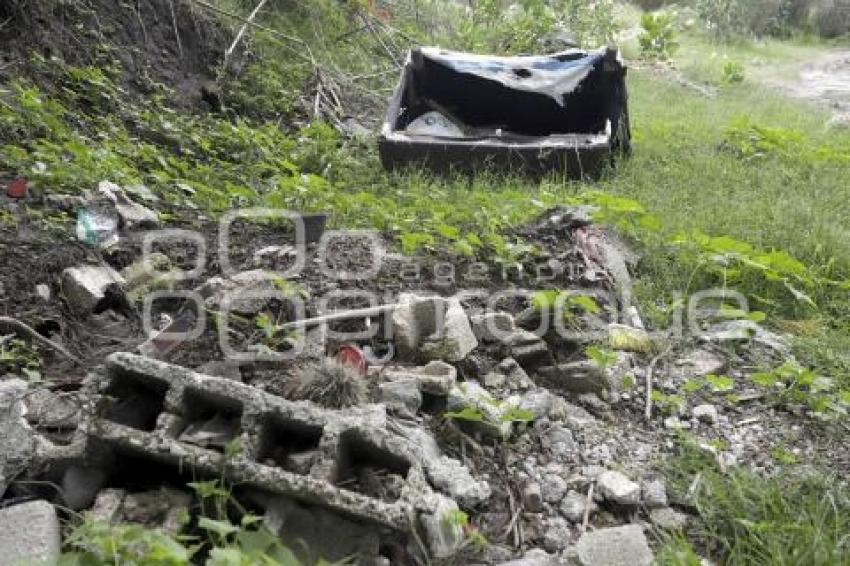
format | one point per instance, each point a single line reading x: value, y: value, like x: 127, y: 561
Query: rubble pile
x: 474, y: 423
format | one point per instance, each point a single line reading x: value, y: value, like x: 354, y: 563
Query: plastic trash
x: 434, y: 124
x: 97, y: 224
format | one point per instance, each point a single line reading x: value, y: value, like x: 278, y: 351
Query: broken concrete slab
x: 443, y: 532
x: 29, y: 534
x: 454, y: 340
x: 453, y: 478
x: 17, y: 442
x: 86, y: 286
x: 492, y: 326
x: 434, y: 378
x: 614, y: 546
x: 414, y: 318
x: 574, y: 377
x: 135, y: 216
x: 246, y: 292
x: 469, y: 396
x: 668, y: 519
x: 535, y: 557
x: 402, y: 397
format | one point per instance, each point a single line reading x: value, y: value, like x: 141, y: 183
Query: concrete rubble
x: 614, y: 546
x: 86, y: 287
x: 29, y: 534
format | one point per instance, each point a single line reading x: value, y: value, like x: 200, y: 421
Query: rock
x: 516, y: 377
x: 29, y: 534
x: 538, y: 402
x: 492, y: 327
x: 614, y: 546
x: 557, y: 534
x: 435, y: 378
x: 413, y: 319
x: 80, y: 486
x: 221, y: 368
x: 674, y: 423
x: 65, y: 203
x: 529, y: 350
x: 573, y: 506
x: 17, y: 441
x: 698, y: 363
x: 453, y: 478
x: 732, y: 331
x: 554, y: 488
x: 320, y: 532
x: 654, y: 494
x: 165, y: 508
x: 402, y: 397
x: 135, y: 216
x: 668, y: 519
x: 86, y: 287
x: 616, y: 487
x: 273, y: 254
x: 443, y: 535
x: 494, y: 380
x: 575, y: 377
x: 470, y: 395
x: 534, y: 557
x: 532, y: 498
x: 142, y: 192
x: 51, y: 410
x: 560, y: 442
x: 455, y: 340
x: 43, y: 291
x: 705, y: 413
x: 107, y: 505
x: 247, y: 292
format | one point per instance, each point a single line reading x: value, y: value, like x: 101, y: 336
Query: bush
x: 658, y: 38
x: 831, y: 18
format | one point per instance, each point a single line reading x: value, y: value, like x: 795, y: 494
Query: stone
x: 560, y: 442
x: 402, y: 397
x: 470, y: 395
x: 674, y: 423
x: 705, y: 413
x: 29, y: 534
x: 557, y: 534
x: 654, y: 494
x: 453, y: 478
x: 532, y: 498
x: 616, y: 487
x: 529, y: 350
x: 272, y: 254
x: 516, y: 377
x: 443, y: 535
x: 165, y: 508
x: 320, y: 532
x: 534, y: 557
x: 538, y: 402
x: 86, y: 286
x: 142, y: 192
x: 738, y: 331
x: 455, y: 340
x: 494, y: 380
x: 575, y: 377
x: 52, y: 410
x: 221, y: 368
x: 43, y: 291
x: 107, y: 505
x: 135, y: 216
x: 80, y: 486
x: 554, y: 488
x: 614, y: 546
x: 413, y: 319
x: 434, y: 378
x: 492, y: 326
x: 698, y: 363
x: 247, y: 292
x: 668, y: 519
x: 17, y: 441
x: 573, y: 506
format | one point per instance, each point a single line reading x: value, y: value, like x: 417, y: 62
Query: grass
x: 796, y: 517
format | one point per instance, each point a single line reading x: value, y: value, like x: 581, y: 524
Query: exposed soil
x: 825, y: 81
x: 179, y: 49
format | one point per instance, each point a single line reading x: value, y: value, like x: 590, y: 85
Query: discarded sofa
x: 565, y: 113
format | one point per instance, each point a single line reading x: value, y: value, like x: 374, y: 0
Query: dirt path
x: 824, y: 80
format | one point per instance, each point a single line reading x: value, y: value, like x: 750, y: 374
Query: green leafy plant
x: 603, y: 358
x: 658, y: 35
x: 733, y: 72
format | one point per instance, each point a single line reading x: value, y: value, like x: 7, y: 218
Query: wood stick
x: 344, y: 315
x: 244, y: 27
x: 5, y: 320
